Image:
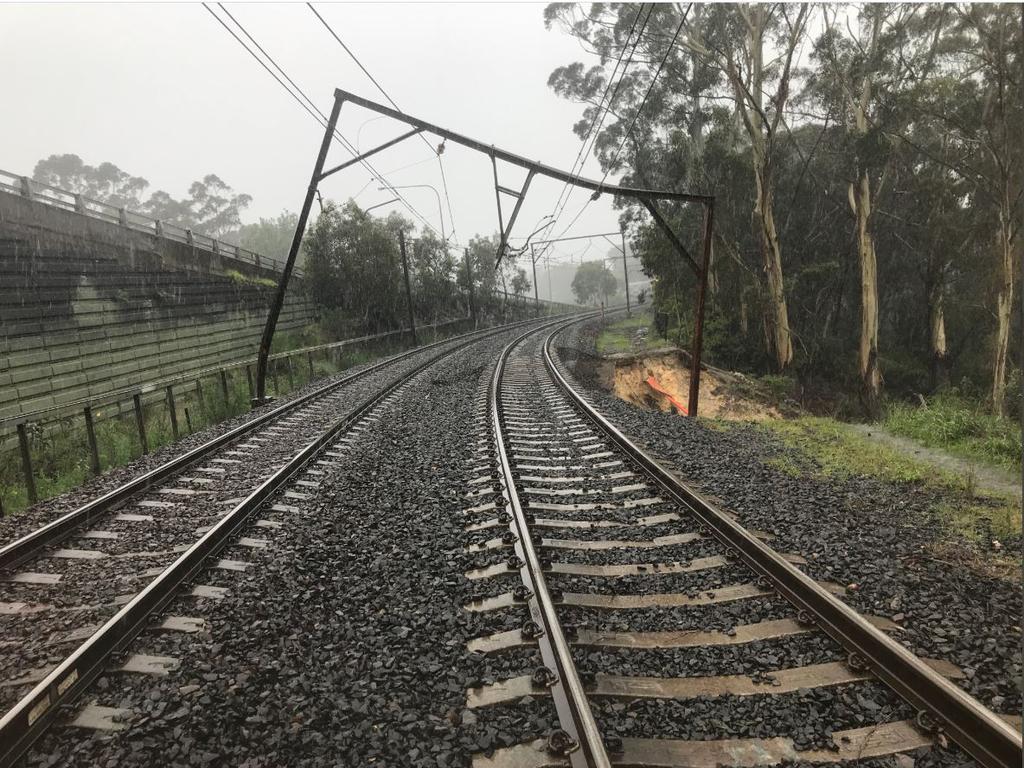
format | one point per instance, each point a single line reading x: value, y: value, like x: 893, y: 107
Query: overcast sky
x: 164, y: 92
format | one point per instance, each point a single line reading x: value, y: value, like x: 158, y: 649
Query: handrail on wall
x: 71, y: 201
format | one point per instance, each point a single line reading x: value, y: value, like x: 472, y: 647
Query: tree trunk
x: 777, y: 313
x: 938, y: 354
x: 1004, y: 306
x: 870, y: 373
x: 937, y: 334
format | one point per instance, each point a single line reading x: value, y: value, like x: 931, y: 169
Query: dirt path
x: 988, y: 479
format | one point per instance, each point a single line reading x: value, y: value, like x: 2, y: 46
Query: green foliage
x: 354, y: 268
x: 940, y: 146
x: 105, y: 182
x: 954, y: 423
x: 594, y: 282
x: 212, y: 207
x: 238, y: 277
x: 825, y: 447
x: 271, y: 237
x: 620, y: 335
x: 834, y: 449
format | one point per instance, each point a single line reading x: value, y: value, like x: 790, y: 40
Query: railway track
x: 663, y: 632
x: 71, y: 610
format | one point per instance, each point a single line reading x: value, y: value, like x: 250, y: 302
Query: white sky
x: 164, y: 92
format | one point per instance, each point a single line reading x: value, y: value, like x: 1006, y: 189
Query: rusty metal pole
x: 625, y: 272
x: 172, y: 411
x: 408, y: 288
x: 140, y: 422
x: 275, y: 307
x: 698, y: 320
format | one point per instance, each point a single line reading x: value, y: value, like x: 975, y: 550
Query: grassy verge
x: 619, y: 336
x: 960, y: 427
x: 60, y: 453
x: 825, y: 447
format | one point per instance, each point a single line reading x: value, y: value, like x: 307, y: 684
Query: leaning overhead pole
x: 300, y: 227
x: 649, y: 198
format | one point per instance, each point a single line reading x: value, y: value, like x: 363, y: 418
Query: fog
x: 164, y: 92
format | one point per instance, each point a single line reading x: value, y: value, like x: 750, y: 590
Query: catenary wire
x: 380, y: 87
x: 636, y: 115
x: 315, y: 112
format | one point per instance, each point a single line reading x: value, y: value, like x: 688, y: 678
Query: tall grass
x: 961, y: 426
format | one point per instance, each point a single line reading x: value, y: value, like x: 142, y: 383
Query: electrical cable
x: 321, y: 119
x: 632, y: 52
x: 636, y: 115
x: 602, y: 111
x: 437, y: 154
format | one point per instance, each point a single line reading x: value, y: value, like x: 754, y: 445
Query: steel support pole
x: 536, y: 296
x: 698, y: 319
x: 625, y: 272
x: 408, y: 289
x: 472, y: 297
x: 275, y: 307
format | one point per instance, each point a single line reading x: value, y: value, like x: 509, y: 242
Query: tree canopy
x: 594, y: 282
x: 868, y: 173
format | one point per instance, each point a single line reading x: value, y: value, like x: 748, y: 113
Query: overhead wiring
x: 309, y: 106
x: 636, y: 115
x: 607, y: 109
x: 602, y: 111
x: 436, y: 151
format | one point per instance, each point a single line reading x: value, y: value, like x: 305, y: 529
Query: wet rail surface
x: 81, y: 589
x: 668, y: 635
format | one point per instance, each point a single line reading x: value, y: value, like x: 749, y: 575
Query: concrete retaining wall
x: 88, y: 311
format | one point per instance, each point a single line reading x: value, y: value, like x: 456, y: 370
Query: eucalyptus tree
x: 739, y: 53
x: 871, y: 70
x: 980, y: 108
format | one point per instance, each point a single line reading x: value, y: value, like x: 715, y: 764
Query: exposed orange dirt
x: 627, y: 377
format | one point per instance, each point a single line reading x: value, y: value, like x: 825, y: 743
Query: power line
x: 581, y: 156
x: 636, y: 115
x: 632, y: 52
x: 629, y: 131
x: 436, y: 153
x: 315, y: 112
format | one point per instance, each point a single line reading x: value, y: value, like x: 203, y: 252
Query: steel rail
x: 24, y: 548
x: 940, y: 704
x: 587, y: 748
x: 24, y: 723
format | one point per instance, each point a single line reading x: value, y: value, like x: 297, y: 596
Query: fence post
x: 199, y: 395
x: 248, y: 376
x: 26, y: 187
x: 188, y: 420
x: 26, y: 464
x: 140, y: 422
x: 90, y: 433
x: 224, y: 387
x: 172, y: 410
